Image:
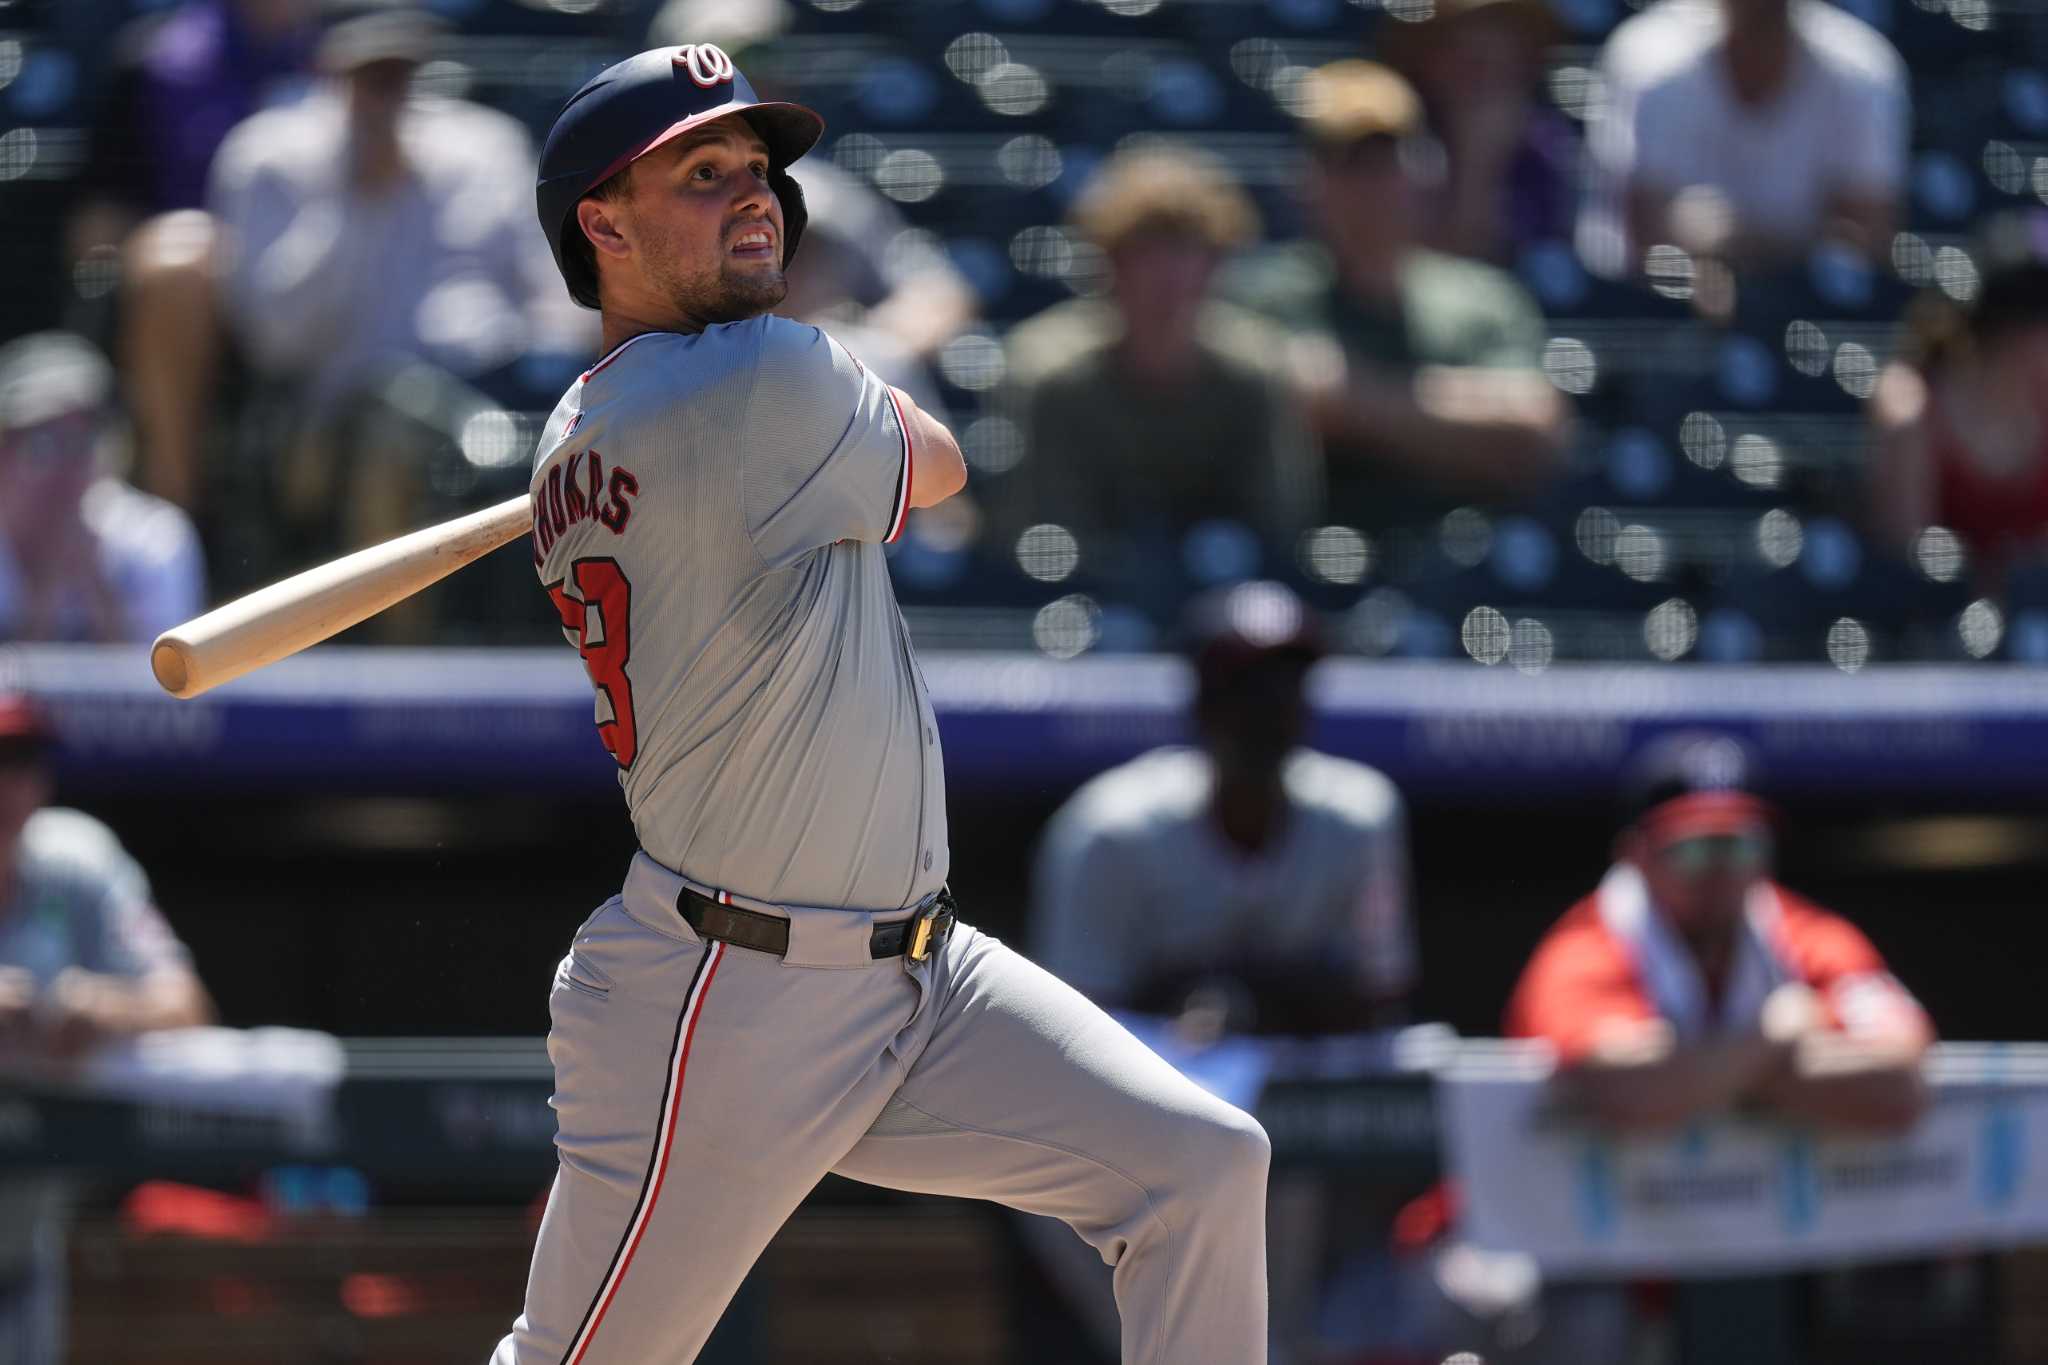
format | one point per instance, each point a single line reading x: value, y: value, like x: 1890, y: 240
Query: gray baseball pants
x: 702, y: 1090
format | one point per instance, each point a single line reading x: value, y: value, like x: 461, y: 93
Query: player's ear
x: 599, y: 220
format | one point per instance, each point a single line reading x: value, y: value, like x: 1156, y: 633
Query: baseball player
x: 1251, y: 873
x: 781, y: 989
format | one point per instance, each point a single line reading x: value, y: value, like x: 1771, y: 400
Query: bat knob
x: 167, y: 661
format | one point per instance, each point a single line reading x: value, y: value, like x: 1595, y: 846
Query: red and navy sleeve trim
x: 615, y: 353
x: 902, y: 513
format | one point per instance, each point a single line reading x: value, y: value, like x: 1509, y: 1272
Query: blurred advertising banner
x: 463, y: 720
x: 1731, y: 1195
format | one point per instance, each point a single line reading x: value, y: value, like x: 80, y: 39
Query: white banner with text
x: 1735, y: 1195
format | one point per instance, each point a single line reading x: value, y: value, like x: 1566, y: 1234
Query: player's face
x: 1251, y: 723
x: 1162, y: 277
x: 1364, y: 198
x: 705, y: 225
x: 1702, y: 883
x: 46, y: 469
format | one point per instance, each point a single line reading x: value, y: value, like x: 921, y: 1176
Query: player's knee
x: 1233, y: 1151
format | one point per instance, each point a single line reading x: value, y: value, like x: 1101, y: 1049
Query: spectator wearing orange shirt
x: 1691, y: 982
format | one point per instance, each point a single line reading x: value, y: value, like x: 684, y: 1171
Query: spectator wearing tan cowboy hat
x: 1422, y: 371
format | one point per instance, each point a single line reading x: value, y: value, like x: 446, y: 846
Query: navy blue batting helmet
x: 628, y: 110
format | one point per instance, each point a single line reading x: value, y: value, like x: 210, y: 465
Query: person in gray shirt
x: 782, y: 989
x: 85, y: 959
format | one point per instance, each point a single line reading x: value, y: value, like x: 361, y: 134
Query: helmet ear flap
x: 579, y: 266
x: 794, y: 214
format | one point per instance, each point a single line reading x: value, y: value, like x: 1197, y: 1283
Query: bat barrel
x: 286, y: 617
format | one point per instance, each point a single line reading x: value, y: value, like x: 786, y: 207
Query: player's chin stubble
x: 728, y: 293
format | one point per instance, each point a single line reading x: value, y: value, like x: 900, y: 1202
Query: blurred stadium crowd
x: 1498, y: 329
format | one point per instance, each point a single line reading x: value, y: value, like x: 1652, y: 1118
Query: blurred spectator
x: 1246, y: 885
x: 351, y: 234
x: 1690, y: 982
x: 1746, y: 131
x: 1422, y: 371
x: 1259, y: 882
x: 901, y: 281
x: 1510, y: 175
x: 1961, y: 417
x: 1152, y: 410
x: 829, y: 278
x: 85, y: 959
x: 179, y: 81
x: 83, y: 556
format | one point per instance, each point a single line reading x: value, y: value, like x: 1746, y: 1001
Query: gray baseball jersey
x: 710, y: 511
x: 1134, y: 879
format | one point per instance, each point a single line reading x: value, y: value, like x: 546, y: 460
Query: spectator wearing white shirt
x: 83, y: 556
x: 347, y: 235
x: 1748, y: 131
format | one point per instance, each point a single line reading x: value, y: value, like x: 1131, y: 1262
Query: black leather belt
x: 916, y: 938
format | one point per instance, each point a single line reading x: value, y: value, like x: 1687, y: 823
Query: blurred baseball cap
x: 1229, y: 630
x: 1346, y: 102
x: 1694, y: 784
x: 51, y: 375
x: 358, y: 33
x: 25, y: 733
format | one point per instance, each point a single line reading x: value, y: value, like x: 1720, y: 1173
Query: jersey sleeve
x: 127, y: 935
x: 1081, y: 926
x: 1579, y: 984
x: 827, y: 454
x: 1844, y: 968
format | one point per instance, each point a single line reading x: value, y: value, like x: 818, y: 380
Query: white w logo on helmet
x: 706, y: 62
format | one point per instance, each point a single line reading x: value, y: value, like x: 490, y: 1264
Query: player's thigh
x: 701, y: 1091
x: 1029, y: 1094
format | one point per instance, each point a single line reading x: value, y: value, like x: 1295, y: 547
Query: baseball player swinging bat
x: 286, y: 617
x: 783, y: 987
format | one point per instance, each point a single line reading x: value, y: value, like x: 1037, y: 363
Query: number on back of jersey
x: 596, y: 618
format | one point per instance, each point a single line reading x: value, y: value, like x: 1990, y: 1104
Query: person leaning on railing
x: 1690, y: 982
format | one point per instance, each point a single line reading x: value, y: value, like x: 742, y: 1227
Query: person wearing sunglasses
x: 1691, y: 982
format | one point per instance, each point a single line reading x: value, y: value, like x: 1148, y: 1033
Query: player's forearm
x: 1840, y: 1082
x: 1507, y: 450
x: 1671, y: 1088
x: 122, y: 1007
x: 925, y: 313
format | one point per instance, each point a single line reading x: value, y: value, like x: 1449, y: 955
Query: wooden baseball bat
x: 308, y: 607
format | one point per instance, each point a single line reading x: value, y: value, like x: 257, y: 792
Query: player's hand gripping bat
x: 308, y: 607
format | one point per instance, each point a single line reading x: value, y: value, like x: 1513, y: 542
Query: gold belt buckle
x: 921, y: 931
